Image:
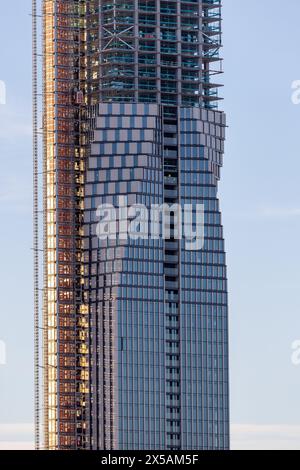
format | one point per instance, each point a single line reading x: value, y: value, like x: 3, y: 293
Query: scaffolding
x: 36, y: 258
x: 211, y: 60
x: 61, y: 372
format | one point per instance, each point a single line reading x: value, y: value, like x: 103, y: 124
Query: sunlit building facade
x: 135, y: 340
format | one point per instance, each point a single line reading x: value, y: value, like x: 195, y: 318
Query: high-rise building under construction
x: 135, y: 331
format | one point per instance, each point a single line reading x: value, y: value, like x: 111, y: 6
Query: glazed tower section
x: 158, y: 310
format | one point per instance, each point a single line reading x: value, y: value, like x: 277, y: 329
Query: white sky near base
x: 243, y: 437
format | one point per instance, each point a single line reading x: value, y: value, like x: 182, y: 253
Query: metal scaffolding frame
x: 66, y: 380
x: 36, y: 258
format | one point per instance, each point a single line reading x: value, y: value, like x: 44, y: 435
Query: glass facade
x: 203, y: 307
x: 158, y: 311
x: 124, y: 285
x: 135, y: 330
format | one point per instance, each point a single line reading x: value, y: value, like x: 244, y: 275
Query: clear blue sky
x: 260, y: 199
